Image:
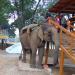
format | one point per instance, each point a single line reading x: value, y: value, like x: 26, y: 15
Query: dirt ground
x: 9, y: 66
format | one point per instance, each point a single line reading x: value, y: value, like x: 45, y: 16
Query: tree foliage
x: 24, y: 10
x: 5, y: 9
x: 27, y: 10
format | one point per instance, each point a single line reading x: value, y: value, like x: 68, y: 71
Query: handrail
x: 58, y: 26
x: 71, y: 56
x: 63, y: 50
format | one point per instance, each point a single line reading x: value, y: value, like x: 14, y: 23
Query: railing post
x: 61, y: 56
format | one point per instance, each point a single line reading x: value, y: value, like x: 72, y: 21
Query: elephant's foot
x: 20, y: 57
x: 24, y: 60
x: 36, y: 66
x: 39, y: 66
x: 32, y: 66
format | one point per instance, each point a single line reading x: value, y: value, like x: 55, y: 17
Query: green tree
x: 25, y: 9
x: 5, y: 9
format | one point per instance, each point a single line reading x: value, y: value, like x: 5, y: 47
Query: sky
x: 13, y: 17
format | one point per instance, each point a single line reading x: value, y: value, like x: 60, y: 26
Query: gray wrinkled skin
x: 35, y: 39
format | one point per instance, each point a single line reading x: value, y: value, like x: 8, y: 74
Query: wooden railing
x: 63, y: 49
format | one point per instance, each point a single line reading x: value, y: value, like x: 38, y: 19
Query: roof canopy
x: 64, y: 6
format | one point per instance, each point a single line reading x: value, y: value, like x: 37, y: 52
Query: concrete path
x: 9, y: 66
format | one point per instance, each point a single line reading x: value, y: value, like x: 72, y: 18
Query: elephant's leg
x: 40, y: 59
x: 20, y: 57
x: 24, y: 55
x: 55, y: 38
x: 30, y: 55
x: 33, y: 58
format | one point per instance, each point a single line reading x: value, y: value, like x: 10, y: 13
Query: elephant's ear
x: 40, y: 33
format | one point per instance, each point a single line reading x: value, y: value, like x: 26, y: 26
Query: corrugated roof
x: 64, y: 6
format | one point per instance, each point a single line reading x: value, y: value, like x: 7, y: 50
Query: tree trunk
x: 35, y: 10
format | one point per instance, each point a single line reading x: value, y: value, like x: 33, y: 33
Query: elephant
x: 33, y: 39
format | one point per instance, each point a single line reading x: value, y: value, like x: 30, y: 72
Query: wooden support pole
x: 61, y: 56
x: 61, y: 63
